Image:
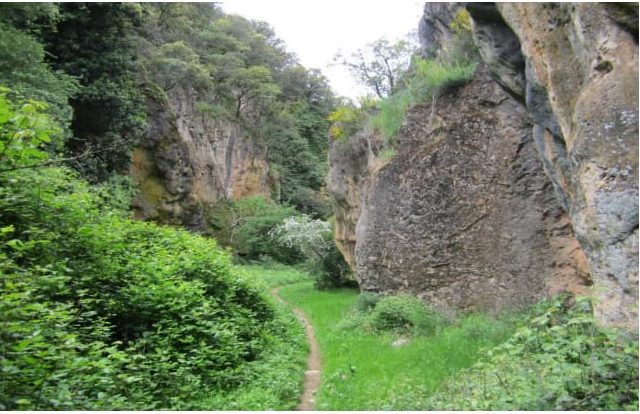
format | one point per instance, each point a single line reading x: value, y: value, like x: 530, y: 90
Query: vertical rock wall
x: 190, y: 160
x: 525, y: 183
x: 576, y: 70
x: 464, y: 215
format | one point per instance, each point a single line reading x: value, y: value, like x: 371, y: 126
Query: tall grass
x: 366, y: 372
x: 425, y: 83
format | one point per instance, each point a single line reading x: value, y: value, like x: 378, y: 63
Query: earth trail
x: 312, y: 374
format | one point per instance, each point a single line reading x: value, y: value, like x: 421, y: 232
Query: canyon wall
x: 576, y: 70
x: 522, y: 183
x: 189, y: 160
x: 464, y: 215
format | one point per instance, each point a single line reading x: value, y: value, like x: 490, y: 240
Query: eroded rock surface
x: 481, y: 204
x: 464, y: 216
x: 189, y: 161
x: 580, y: 86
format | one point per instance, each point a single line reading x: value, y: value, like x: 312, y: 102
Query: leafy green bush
x: 399, y: 314
x: 25, y: 132
x: 367, y: 301
x: 404, y: 314
x: 245, y: 226
x: 559, y: 359
x: 100, y: 312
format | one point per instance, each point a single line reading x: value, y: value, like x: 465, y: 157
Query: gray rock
x: 582, y: 92
x: 464, y: 216
x: 188, y: 161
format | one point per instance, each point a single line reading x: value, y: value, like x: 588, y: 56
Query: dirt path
x: 312, y: 375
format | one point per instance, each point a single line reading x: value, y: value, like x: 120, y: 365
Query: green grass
x: 274, y: 274
x: 365, y: 372
x: 428, y: 80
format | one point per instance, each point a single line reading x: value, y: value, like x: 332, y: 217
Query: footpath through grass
x: 363, y: 371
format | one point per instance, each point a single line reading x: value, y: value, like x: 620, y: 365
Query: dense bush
x: 404, y: 314
x: 102, y: 312
x: 245, y: 224
x: 559, y: 359
x: 399, y: 314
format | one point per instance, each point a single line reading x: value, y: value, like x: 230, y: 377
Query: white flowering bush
x: 310, y: 236
x: 314, y: 240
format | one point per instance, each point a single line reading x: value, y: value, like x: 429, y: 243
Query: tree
x: 24, y: 131
x: 93, y: 42
x: 379, y: 65
x: 252, y: 84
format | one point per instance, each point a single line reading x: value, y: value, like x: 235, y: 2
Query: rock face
x: 464, y: 215
x: 433, y: 30
x: 524, y: 183
x: 577, y: 73
x: 351, y: 166
x: 189, y: 160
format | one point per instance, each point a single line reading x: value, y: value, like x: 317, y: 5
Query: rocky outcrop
x: 351, y: 165
x: 575, y: 66
x: 464, y: 215
x: 189, y: 160
x: 433, y: 29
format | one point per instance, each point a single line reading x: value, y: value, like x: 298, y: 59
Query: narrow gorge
x: 195, y: 215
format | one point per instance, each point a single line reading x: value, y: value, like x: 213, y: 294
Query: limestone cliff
x: 189, y: 160
x: 464, y: 215
x: 523, y: 183
x: 576, y: 69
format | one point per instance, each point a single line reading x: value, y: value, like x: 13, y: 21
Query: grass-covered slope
x: 101, y: 312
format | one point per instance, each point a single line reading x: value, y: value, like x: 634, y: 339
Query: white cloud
x: 317, y: 30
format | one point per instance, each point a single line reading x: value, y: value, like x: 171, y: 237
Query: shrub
x: 399, y: 314
x: 245, y: 225
x: 392, y: 113
x: 314, y: 239
x: 25, y: 132
x: 346, y: 121
x: 404, y: 314
x: 100, y: 312
x: 367, y: 301
x: 559, y: 359
x: 430, y: 77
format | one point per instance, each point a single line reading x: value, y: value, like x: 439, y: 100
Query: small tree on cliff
x: 379, y: 65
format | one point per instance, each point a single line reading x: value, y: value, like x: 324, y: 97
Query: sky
x: 316, y: 30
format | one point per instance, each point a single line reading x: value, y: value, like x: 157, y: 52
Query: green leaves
x: 24, y: 131
x: 558, y: 360
x: 100, y: 312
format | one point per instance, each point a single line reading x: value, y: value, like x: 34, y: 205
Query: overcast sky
x: 317, y: 30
